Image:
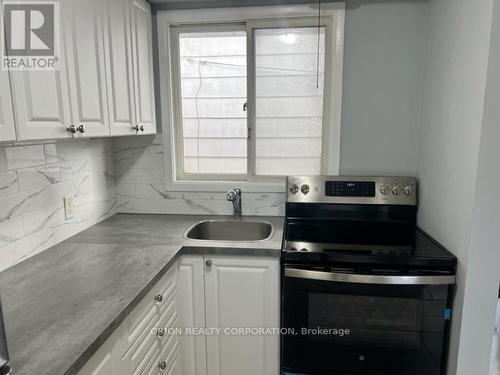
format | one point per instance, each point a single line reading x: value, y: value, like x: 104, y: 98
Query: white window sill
x: 223, y: 186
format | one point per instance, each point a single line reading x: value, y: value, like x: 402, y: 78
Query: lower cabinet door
x: 242, y: 293
x: 191, y: 305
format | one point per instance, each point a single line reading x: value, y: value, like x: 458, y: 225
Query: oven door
x: 342, y: 323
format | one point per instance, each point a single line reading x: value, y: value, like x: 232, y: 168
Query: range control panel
x: 352, y: 190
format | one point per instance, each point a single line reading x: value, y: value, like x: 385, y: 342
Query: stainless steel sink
x: 230, y: 230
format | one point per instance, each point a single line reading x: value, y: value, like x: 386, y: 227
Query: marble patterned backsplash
x: 104, y: 177
x: 140, y: 186
x: 34, y: 179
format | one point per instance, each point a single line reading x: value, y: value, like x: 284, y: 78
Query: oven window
x: 368, y: 329
x: 378, y: 321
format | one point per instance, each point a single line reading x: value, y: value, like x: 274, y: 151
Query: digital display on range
x: 350, y: 188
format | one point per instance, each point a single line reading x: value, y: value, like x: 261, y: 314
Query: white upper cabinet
x: 120, y: 79
x: 142, y: 52
x: 41, y: 103
x: 7, y: 131
x: 83, y: 35
x: 104, y: 82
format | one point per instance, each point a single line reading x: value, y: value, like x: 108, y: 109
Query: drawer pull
x: 162, y: 365
x: 160, y: 332
x: 158, y: 298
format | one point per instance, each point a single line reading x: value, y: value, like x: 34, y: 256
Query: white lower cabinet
x: 242, y: 292
x: 192, y: 308
x: 107, y: 361
x: 228, y: 293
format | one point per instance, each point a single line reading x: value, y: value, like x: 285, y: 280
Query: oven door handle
x: 369, y: 279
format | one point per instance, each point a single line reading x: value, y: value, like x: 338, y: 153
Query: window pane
x: 213, y: 84
x: 289, y: 100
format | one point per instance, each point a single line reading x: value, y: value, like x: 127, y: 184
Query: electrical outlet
x: 68, y: 207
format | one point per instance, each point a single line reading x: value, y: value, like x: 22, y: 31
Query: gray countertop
x: 62, y: 304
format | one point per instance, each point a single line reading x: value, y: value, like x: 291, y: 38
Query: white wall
x: 385, y: 44
x: 483, y: 266
x: 453, y: 100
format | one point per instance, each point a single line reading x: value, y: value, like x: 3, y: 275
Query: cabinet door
x: 7, y: 131
x: 191, y: 300
x: 120, y: 79
x: 142, y: 52
x: 41, y: 99
x: 242, y: 293
x: 83, y: 28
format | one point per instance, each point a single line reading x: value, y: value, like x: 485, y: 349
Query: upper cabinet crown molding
x: 104, y: 85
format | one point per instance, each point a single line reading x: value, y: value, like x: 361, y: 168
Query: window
x: 249, y: 99
x: 213, y: 82
x: 289, y: 80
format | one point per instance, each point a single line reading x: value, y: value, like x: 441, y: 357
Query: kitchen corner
x: 61, y: 305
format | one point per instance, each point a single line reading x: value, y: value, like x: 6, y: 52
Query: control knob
x: 385, y: 189
x: 304, y: 189
x: 294, y: 189
x: 395, y: 189
x: 407, y: 190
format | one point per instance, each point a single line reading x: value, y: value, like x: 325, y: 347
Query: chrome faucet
x: 235, y: 197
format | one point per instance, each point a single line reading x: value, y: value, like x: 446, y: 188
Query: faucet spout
x: 234, y: 196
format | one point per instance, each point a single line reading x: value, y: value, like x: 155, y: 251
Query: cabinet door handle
x: 162, y: 365
x: 208, y: 263
x: 158, y: 298
x: 71, y: 129
x: 138, y: 128
x: 81, y: 129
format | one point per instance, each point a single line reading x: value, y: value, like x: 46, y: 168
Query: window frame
x: 171, y: 23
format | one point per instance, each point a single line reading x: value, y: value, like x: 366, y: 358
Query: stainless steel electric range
x: 364, y: 291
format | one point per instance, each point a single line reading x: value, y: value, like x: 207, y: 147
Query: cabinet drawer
x: 176, y: 363
x: 165, y: 289
x: 168, y: 319
x: 153, y: 366
x: 163, y: 360
x: 138, y: 331
x: 145, y: 315
x: 146, y: 351
x: 168, y: 353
